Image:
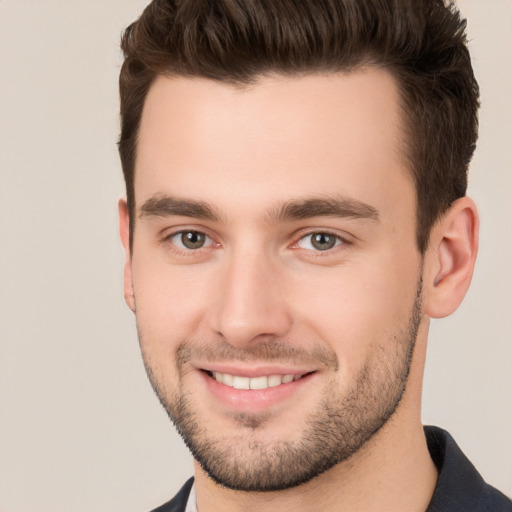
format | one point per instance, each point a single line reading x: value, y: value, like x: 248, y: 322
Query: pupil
x: 323, y: 241
x: 192, y: 239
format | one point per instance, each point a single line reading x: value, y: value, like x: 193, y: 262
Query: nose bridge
x: 251, y: 301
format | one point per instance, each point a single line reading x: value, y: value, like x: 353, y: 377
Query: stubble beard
x: 340, y: 425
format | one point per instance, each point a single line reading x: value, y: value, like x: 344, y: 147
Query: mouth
x: 254, y: 383
x: 257, y: 388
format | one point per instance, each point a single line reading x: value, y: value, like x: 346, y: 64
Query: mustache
x: 271, y: 350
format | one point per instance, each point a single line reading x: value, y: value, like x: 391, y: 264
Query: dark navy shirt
x: 459, y: 487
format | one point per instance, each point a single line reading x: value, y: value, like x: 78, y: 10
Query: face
x: 274, y: 273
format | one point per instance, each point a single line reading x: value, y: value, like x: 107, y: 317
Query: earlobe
x: 124, y: 232
x: 450, y: 259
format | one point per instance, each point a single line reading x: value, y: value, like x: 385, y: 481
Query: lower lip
x: 254, y: 400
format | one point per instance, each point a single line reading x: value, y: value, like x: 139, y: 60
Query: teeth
x: 227, y: 379
x: 263, y: 382
x: 240, y: 382
x: 274, y: 380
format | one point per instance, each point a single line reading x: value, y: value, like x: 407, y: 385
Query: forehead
x: 281, y: 137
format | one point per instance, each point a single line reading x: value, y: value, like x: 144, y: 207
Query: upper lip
x: 254, y: 370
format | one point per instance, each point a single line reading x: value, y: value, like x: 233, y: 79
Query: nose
x: 251, y: 304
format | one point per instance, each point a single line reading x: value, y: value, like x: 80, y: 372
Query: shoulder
x: 459, y: 486
x: 179, y: 502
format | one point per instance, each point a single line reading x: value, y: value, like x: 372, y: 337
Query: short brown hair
x: 421, y: 42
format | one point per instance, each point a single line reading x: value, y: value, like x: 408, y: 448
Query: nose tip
x: 241, y: 330
x: 247, y: 317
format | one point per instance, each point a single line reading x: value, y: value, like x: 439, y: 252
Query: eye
x: 319, y: 241
x: 190, y: 240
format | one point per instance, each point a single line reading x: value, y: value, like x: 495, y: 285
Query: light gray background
x: 80, y: 429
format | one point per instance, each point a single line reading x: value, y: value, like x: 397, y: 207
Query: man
x: 295, y: 215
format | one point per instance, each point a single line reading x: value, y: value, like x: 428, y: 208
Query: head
x: 294, y: 178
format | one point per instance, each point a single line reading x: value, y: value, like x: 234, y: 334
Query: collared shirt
x: 459, y: 486
x: 191, y: 502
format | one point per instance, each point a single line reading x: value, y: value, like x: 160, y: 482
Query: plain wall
x: 80, y: 428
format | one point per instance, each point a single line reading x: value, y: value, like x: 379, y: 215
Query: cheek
x: 170, y: 302
x: 360, y: 307
x: 170, y: 305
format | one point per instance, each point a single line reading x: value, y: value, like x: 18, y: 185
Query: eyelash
x: 169, y: 238
x: 339, y: 241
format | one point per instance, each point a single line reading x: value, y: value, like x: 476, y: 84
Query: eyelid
x: 179, y: 234
x: 168, y: 235
x: 342, y: 239
x: 337, y: 241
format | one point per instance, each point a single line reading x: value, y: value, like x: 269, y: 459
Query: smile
x: 263, y: 382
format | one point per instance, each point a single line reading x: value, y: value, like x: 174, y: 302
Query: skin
x: 246, y: 153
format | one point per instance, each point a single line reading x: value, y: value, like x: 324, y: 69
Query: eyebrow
x: 166, y: 206
x: 323, y: 207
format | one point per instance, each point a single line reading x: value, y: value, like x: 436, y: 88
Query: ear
x: 124, y: 231
x: 450, y: 259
